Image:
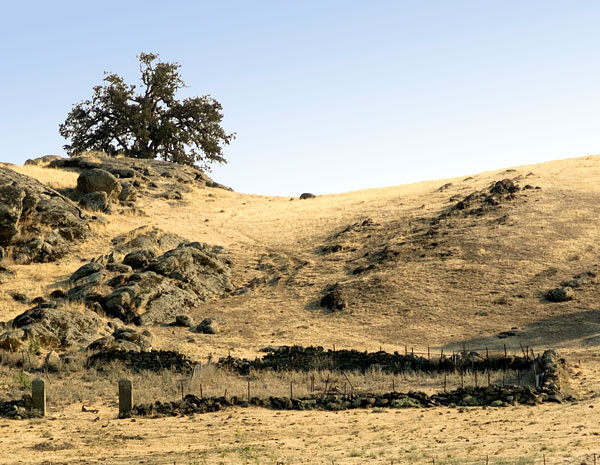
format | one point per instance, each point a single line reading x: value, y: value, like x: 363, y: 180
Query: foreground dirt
x: 567, y: 433
x: 563, y: 433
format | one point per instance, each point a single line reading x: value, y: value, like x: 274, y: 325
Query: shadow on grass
x: 582, y: 329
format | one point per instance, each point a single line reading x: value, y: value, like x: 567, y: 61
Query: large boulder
x: 54, y: 325
x: 208, y: 326
x: 37, y: 223
x: 98, y: 180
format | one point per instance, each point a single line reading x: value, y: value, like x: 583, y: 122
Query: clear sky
x: 325, y: 96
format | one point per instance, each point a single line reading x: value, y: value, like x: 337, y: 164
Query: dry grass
x: 492, y: 279
x: 55, y: 178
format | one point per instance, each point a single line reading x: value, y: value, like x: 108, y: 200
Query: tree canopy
x: 150, y: 123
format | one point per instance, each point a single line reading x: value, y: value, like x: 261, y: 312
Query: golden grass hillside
x: 485, y: 274
x: 414, y: 270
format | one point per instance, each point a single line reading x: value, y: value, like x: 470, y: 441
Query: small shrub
x: 22, y: 380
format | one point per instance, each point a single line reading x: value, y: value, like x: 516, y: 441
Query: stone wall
x: 154, y: 360
x: 549, y: 366
x: 316, y: 358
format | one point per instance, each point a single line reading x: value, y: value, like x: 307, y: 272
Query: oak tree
x: 148, y: 122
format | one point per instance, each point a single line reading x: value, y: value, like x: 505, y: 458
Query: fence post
x: 38, y: 395
x: 125, y: 398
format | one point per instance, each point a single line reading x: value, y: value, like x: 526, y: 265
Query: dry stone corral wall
x: 315, y: 358
x: 154, y: 360
x: 492, y: 395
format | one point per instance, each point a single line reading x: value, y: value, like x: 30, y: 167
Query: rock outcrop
x: 124, y: 179
x: 37, y: 223
x: 54, y: 325
x: 147, y: 284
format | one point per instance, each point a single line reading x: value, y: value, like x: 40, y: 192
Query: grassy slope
x: 486, y: 275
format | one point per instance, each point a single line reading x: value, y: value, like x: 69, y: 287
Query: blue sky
x: 325, y: 96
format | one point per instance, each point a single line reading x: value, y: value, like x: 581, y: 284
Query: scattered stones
x: 19, y: 297
x: 581, y: 279
x: 328, y: 249
x: 560, y: 294
x: 480, y: 202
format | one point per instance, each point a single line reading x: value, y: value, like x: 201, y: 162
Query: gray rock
x: 52, y: 362
x: 119, y: 268
x: 307, y: 195
x: 138, y: 258
x: 128, y: 192
x: 120, y: 302
x: 184, y: 320
x: 126, y: 339
x: 141, y: 172
x: 126, y: 334
x: 208, y: 326
x: 41, y: 161
x: 333, y: 299
x: 96, y: 202
x: 560, y: 294
x: 148, y: 238
x: 86, y: 270
x: 56, y: 326
x: 12, y: 340
x: 29, y: 209
x: 98, y: 180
